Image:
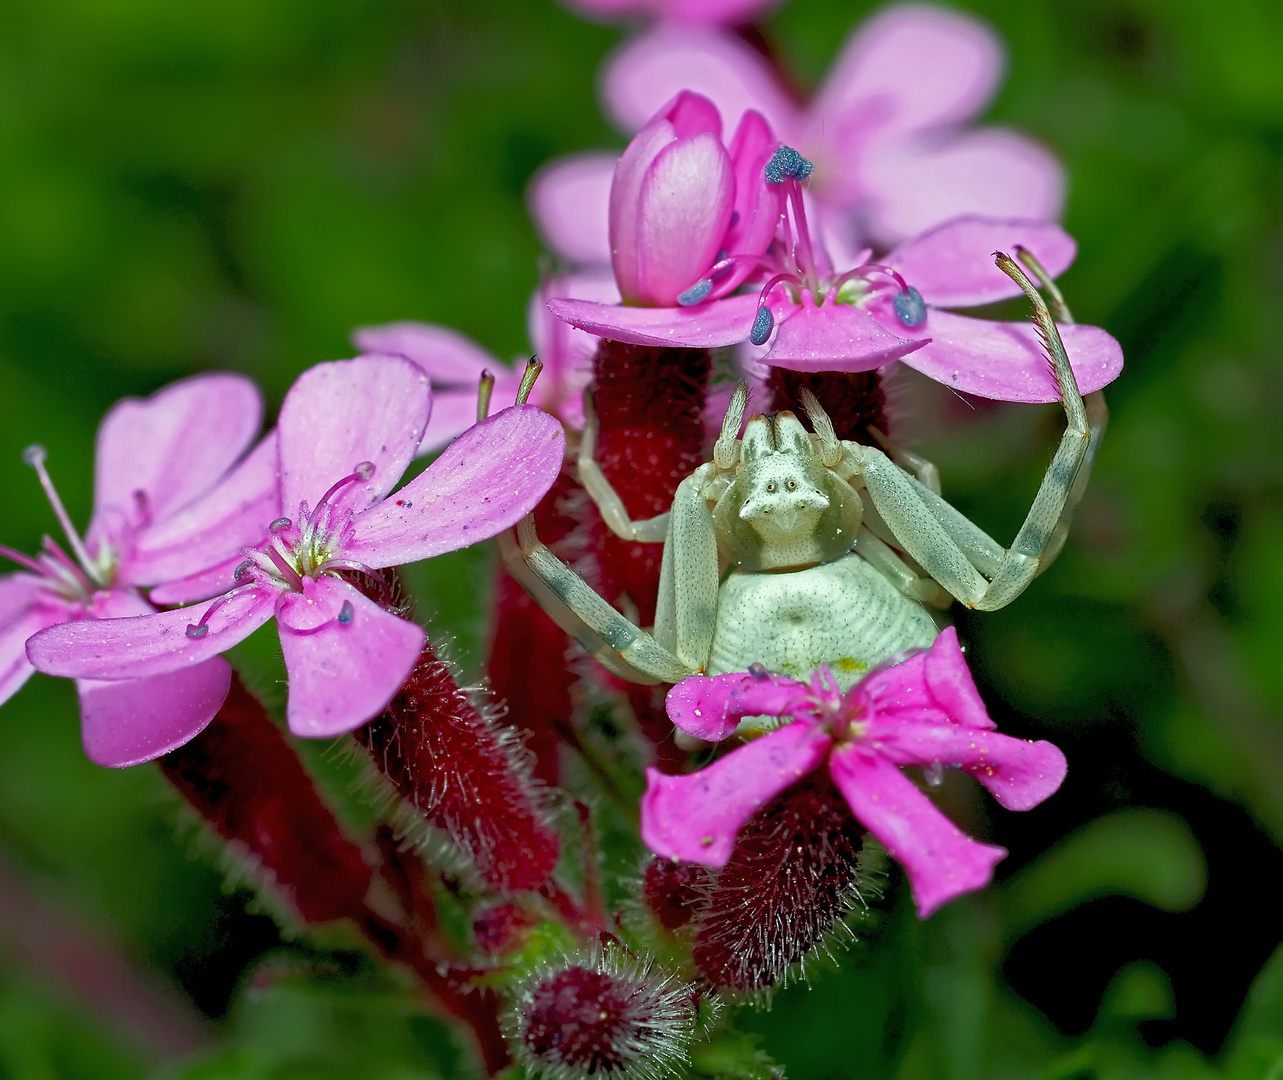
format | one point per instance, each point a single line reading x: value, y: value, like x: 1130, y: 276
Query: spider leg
x: 1098, y: 420
x: 926, y: 527
x: 901, y: 575
x: 611, y: 639
x: 921, y: 469
x: 611, y: 507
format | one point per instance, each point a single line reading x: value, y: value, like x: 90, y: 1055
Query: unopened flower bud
x: 605, y: 1016
x: 674, y: 891
x: 681, y: 199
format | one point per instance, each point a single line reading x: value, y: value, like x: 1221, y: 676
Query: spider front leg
x: 952, y: 550
x: 611, y: 507
x: 617, y: 644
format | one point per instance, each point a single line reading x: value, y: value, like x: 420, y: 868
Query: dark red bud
x: 790, y: 882
x: 466, y: 775
x: 855, y: 401
x: 243, y: 778
x: 649, y: 404
x: 607, y: 1016
x: 674, y: 891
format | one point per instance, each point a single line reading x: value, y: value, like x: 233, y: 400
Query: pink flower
x: 346, y: 433
x: 171, y: 487
x: 697, y: 12
x: 454, y: 364
x: 884, y: 130
x: 875, y: 313
x: 923, y: 711
x: 681, y: 201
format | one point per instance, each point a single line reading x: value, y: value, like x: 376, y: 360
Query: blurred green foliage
x: 238, y: 184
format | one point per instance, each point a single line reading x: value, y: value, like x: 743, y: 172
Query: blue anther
x: 345, y: 613
x: 696, y: 294
x: 763, y: 324
x: 758, y: 671
x: 197, y: 630
x: 909, y: 307
x: 787, y: 164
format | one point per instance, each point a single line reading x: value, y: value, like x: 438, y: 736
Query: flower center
x: 310, y: 547
x: 800, y: 269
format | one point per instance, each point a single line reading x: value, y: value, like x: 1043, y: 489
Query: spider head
x: 776, y: 513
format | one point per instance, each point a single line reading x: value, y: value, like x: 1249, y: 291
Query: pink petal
x: 144, y: 645
x: 345, y: 655
x: 757, y: 203
x: 952, y: 265
x: 566, y: 351
x: 174, y: 445
x: 932, y: 686
x: 712, y: 12
x: 696, y: 817
x: 217, y: 579
x: 569, y: 199
x: 1005, y: 361
x: 1019, y: 774
x: 26, y: 608
x: 134, y: 720
x: 712, y: 707
x: 651, y: 68
x: 624, y: 220
x: 489, y: 478
x: 941, y: 862
x: 917, y: 66
x: 339, y: 414
x: 684, y: 208
x: 235, y: 514
x: 693, y: 114
x: 994, y: 172
x: 836, y: 337
x: 706, y: 326
x: 449, y: 358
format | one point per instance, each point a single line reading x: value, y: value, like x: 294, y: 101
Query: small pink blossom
x: 172, y: 489
x: 923, y: 711
x: 686, y: 12
x: 875, y: 313
x: 346, y: 433
x: 455, y: 364
x: 885, y: 130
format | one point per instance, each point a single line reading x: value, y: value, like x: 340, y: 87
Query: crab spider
x: 782, y: 550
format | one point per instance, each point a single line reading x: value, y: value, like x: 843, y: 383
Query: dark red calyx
x: 674, y: 891
x: 465, y: 773
x: 790, y: 882
x: 243, y: 778
x: 607, y: 1016
x: 500, y: 928
x: 855, y: 401
x: 649, y: 404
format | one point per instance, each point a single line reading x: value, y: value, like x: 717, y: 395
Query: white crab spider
x: 772, y: 556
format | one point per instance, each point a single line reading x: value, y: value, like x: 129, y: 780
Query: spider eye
x: 770, y: 488
x: 791, y: 485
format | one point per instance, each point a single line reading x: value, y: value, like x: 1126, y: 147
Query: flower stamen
x: 35, y: 455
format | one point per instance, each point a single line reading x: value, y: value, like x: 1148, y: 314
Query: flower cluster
x: 807, y: 249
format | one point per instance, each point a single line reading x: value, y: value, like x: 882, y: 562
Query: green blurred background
x: 237, y: 184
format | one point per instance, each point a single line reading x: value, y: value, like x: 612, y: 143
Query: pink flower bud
x: 605, y: 1016
x: 674, y: 204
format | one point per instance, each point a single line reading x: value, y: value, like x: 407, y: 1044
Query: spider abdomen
x: 845, y: 614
